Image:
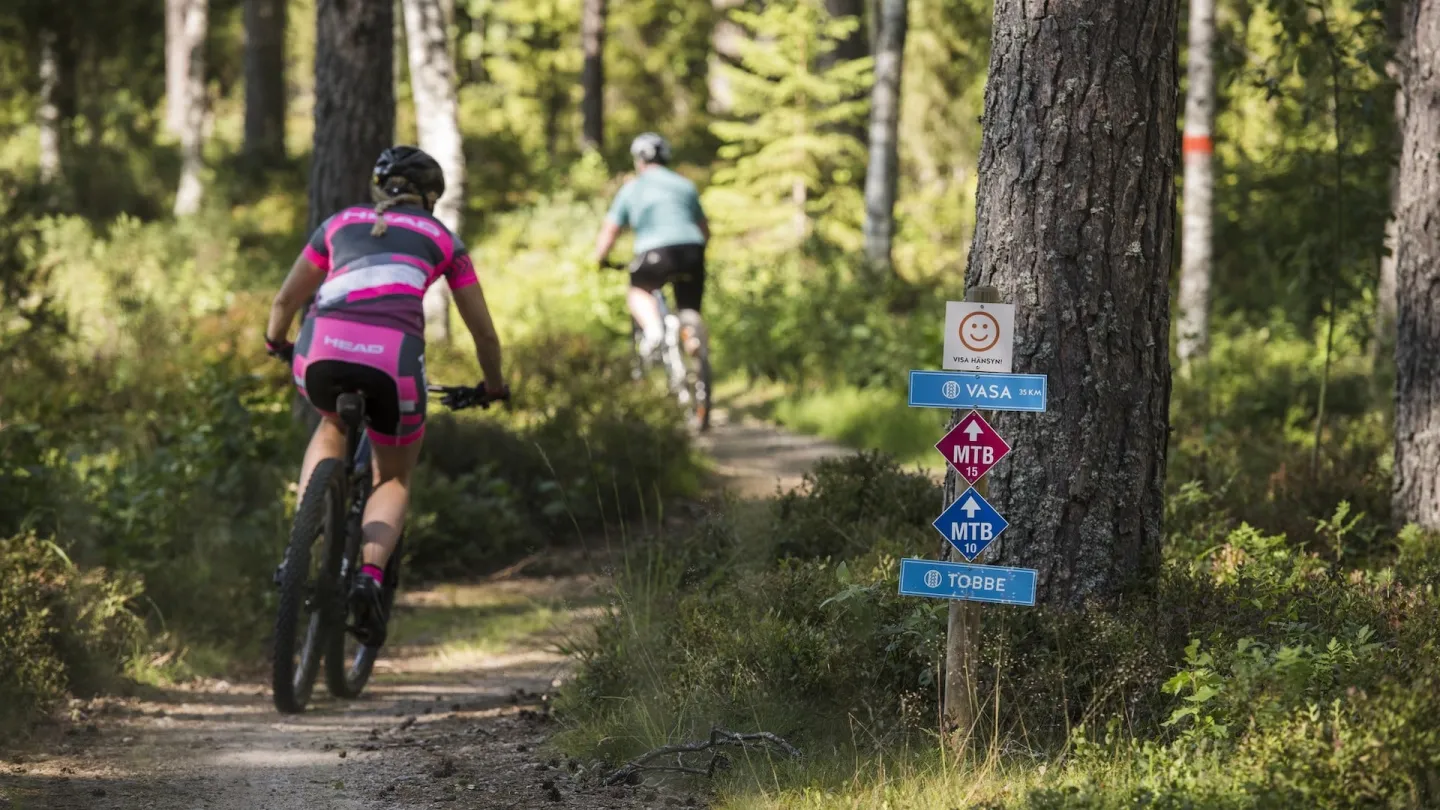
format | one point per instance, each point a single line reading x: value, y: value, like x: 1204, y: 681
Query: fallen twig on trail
x: 719, y: 737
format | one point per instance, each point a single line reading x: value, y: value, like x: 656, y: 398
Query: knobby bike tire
x: 704, y: 394
x: 697, y: 373
x: 320, y: 515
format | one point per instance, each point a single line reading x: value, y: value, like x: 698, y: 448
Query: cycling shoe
x: 367, y: 611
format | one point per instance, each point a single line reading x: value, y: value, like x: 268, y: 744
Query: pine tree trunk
x: 1417, y: 276
x: 192, y: 134
x: 592, y: 78
x: 1195, y: 246
x: 265, y: 80
x: 881, y: 176
x: 354, y: 101
x: 437, y: 117
x: 48, y: 115
x: 1074, y: 221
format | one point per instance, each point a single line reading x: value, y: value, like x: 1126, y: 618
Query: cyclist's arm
x: 605, y: 242
x: 615, y: 220
x: 299, y: 287
x: 470, y: 300
x: 698, y: 212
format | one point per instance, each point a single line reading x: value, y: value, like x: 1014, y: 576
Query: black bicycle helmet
x: 421, y: 173
x: 650, y: 148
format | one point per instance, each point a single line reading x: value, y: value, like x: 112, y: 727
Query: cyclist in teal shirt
x: 663, y: 208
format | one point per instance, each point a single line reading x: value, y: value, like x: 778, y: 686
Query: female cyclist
x: 363, y: 275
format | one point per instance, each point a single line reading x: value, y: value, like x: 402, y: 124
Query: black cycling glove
x: 281, y: 350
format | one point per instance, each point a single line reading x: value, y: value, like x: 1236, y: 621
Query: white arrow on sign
x: 973, y: 430
x: 970, y: 508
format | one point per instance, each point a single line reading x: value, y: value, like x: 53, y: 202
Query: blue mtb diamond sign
x: 985, y: 392
x: 976, y: 583
x: 971, y: 524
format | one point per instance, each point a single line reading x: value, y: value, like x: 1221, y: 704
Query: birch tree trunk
x: 1074, y: 224
x: 1417, y: 276
x: 191, y: 191
x: 1384, y: 338
x: 437, y: 111
x: 265, y: 80
x: 725, y: 39
x: 1195, y: 246
x: 881, y: 176
x: 48, y: 115
x: 354, y: 101
x: 592, y: 78
x: 177, y: 65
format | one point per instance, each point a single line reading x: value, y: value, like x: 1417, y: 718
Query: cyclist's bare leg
x: 385, y: 511
x: 646, y: 311
x: 328, y: 441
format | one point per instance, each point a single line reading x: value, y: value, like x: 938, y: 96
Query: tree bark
x: 354, y: 101
x: 1074, y: 223
x: 881, y: 176
x: 192, y: 133
x: 592, y: 78
x: 1417, y: 275
x: 265, y: 80
x: 437, y: 118
x: 1195, y: 246
x: 48, y: 115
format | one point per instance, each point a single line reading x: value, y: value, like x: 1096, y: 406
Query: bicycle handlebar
x: 459, y: 397
x: 611, y: 264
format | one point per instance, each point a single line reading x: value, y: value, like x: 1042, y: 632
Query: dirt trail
x: 456, y: 716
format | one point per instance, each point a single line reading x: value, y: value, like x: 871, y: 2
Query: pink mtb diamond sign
x: 972, y: 447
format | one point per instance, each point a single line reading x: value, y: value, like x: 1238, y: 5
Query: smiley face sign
x: 979, y: 331
x: 979, y: 337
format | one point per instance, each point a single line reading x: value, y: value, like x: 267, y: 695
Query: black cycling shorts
x: 681, y: 265
x: 333, y: 356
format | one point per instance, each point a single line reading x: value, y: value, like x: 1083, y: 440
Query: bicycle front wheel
x: 308, y: 583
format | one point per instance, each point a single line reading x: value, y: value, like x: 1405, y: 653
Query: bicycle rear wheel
x: 348, y: 663
x: 697, y: 373
x: 308, y: 581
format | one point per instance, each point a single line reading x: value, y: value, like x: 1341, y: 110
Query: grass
x: 910, y: 780
x: 863, y: 418
x: 483, y: 618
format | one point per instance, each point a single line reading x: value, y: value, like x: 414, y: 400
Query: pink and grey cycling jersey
x: 380, y: 280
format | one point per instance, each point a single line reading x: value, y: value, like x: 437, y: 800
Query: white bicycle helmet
x: 650, y: 148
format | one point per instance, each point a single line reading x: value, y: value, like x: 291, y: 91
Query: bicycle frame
x: 351, y: 408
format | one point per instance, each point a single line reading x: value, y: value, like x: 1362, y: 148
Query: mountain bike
x: 322, y: 561
x: 684, y: 354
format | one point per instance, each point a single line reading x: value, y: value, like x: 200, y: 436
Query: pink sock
x: 375, y: 572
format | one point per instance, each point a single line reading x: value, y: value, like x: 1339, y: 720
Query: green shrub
x: 793, y: 624
x: 61, y: 629
x: 586, y: 448
x: 853, y: 504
